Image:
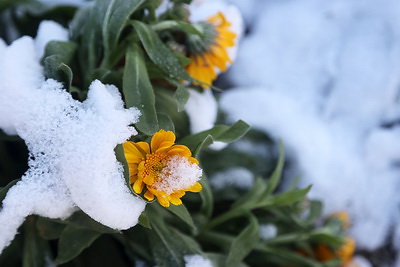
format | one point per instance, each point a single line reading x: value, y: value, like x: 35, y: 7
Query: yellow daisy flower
x: 162, y: 169
x: 211, y: 54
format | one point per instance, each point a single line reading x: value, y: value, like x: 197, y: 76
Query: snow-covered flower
x: 162, y: 169
x: 210, y: 54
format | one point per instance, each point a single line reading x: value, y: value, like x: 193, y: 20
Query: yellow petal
x: 193, y: 160
x: 149, y: 179
x: 163, y: 201
x: 182, y: 150
x: 195, y: 188
x: 162, y: 139
x: 133, y: 168
x: 138, y: 186
x: 148, y: 195
x: 175, y: 201
x: 133, y: 179
x: 135, y: 152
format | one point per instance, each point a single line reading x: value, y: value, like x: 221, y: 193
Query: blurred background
x: 324, y: 76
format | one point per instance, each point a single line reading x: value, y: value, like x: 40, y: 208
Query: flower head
x: 210, y: 54
x: 162, y: 169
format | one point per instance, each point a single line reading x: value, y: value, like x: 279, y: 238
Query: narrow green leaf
x: 221, y: 133
x: 286, y: 198
x: 138, y: 91
x: 251, y: 197
x: 234, y: 132
x: 114, y: 20
x: 276, y: 175
x: 206, y: 195
x: 168, y: 245
x: 35, y: 248
x: 4, y: 190
x: 244, y: 243
x: 176, y: 25
x: 182, y: 212
x: 181, y: 96
x: 220, y: 260
x: 73, y: 241
x: 160, y: 54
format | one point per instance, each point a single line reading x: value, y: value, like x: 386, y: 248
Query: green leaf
x: 206, y: 195
x: 182, y: 212
x: 168, y: 245
x: 65, y: 50
x: 55, y: 68
x: 244, y: 243
x: 4, y: 190
x: 120, y: 155
x: 165, y: 122
x: 49, y: 229
x: 144, y: 220
x: 35, y: 248
x: 73, y: 241
x: 138, y: 91
x: 220, y: 260
x: 315, y: 211
x: 208, y: 140
x: 181, y: 96
x: 82, y: 220
x: 176, y: 25
x: 251, y: 197
x: 285, y: 199
x: 160, y: 54
x: 276, y: 175
x: 117, y: 13
x: 221, y: 133
x: 234, y: 132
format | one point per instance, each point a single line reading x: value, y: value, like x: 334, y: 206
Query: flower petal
x: 195, y: 188
x: 138, y: 186
x: 162, y: 139
x: 148, y: 195
x: 134, y: 152
x: 182, y: 150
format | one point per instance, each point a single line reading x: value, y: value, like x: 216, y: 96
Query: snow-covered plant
x: 108, y: 131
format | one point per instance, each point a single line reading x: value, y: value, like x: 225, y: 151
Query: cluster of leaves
x: 124, y: 43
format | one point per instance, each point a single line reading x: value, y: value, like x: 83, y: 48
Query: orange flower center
x: 153, y: 165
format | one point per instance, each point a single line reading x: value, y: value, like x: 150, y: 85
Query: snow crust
x: 72, y: 163
x: 324, y: 77
x: 178, y: 174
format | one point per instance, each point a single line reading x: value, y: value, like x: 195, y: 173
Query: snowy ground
x: 324, y: 77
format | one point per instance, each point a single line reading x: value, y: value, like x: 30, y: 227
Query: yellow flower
x: 162, y: 169
x: 212, y: 54
x: 344, y: 252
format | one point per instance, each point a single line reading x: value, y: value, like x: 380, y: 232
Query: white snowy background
x: 324, y: 77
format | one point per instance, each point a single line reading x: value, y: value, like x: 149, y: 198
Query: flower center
x: 153, y: 165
